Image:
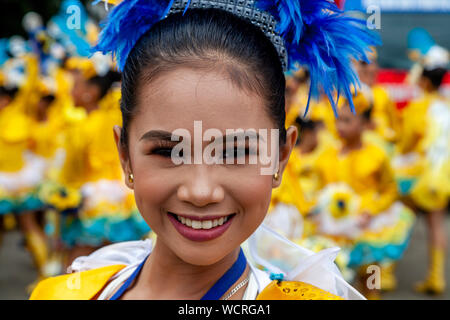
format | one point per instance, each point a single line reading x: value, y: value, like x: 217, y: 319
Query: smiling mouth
x: 201, y: 228
x: 204, y: 223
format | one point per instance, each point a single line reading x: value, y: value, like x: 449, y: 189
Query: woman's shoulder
x: 83, y: 285
x: 91, y: 273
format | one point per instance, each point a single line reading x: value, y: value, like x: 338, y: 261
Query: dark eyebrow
x: 158, y: 135
x: 241, y: 135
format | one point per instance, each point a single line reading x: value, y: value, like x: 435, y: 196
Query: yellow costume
x: 425, y: 140
x: 358, y: 182
x: 385, y: 119
x: 367, y: 171
x: 87, y: 285
x: 299, y: 189
x: 384, y: 114
x: 108, y: 213
x: 291, y: 191
x: 20, y: 171
x: 90, y: 155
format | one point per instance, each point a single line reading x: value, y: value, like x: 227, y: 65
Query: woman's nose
x: 200, y: 187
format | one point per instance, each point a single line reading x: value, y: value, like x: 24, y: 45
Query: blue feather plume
x: 316, y: 35
x: 126, y: 23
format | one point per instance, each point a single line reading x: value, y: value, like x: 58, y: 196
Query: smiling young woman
x: 220, y: 63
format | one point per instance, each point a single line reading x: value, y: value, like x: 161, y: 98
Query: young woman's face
x: 82, y: 92
x: 349, y: 125
x: 225, y: 203
x: 4, y: 101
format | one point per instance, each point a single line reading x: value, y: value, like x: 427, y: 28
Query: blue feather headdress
x: 316, y: 35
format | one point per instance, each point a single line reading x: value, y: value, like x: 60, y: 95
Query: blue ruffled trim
x: 30, y: 203
x: 71, y: 231
x: 18, y: 206
x: 366, y: 253
x: 97, y: 231
x: 7, y: 206
x: 405, y: 185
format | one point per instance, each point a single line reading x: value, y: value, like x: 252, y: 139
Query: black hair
x: 48, y: 98
x: 435, y: 76
x: 207, y: 39
x: 105, y: 82
x: 305, y: 124
x: 302, y: 77
x: 10, y: 92
x: 367, y: 114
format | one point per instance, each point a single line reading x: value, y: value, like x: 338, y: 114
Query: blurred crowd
x: 358, y: 176
x: 61, y: 183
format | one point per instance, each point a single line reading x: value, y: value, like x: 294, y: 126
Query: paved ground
x: 17, y: 271
x: 16, y: 268
x: 413, y: 266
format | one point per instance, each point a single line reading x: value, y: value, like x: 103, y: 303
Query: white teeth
x: 207, y: 224
x: 196, y: 224
x: 204, y: 224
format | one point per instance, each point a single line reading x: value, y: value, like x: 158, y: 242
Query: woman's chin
x: 202, y: 254
x: 200, y: 259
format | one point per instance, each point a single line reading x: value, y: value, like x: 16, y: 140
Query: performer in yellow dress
x: 224, y: 69
x: 384, y: 131
x: 21, y: 171
x: 423, y: 162
x: 357, y: 206
x: 107, y: 213
x: 385, y: 116
x: 294, y: 201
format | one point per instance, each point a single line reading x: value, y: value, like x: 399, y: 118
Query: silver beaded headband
x: 245, y: 9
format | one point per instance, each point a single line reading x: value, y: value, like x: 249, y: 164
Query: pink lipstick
x: 199, y: 234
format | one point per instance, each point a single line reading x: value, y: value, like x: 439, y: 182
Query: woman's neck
x: 165, y: 276
x: 90, y: 107
x: 351, y: 145
x: 306, y: 149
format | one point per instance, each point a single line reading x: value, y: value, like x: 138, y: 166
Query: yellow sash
x: 83, y: 285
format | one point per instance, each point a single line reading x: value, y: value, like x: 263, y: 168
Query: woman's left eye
x: 236, y: 153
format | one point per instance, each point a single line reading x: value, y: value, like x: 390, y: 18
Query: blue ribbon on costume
x: 127, y: 283
x: 217, y: 290
x: 276, y: 276
x: 226, y: 281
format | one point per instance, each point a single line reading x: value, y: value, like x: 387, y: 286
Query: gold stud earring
x: 130, y: 178
x: 276, y: 175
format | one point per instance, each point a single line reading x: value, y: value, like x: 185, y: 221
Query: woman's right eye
x: 164, y: 152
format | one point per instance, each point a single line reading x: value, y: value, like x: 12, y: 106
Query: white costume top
x: 296, y: 264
